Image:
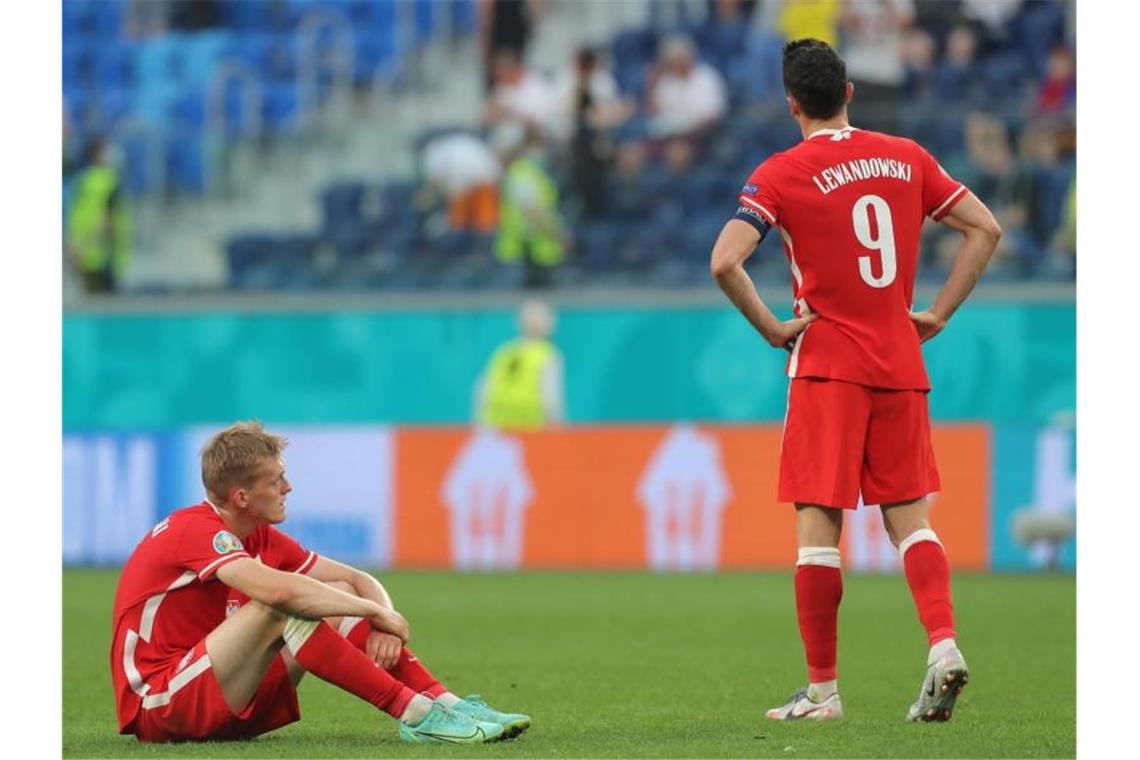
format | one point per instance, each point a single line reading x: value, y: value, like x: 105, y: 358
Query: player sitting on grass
x: 849, y: 205
x: 218, y: 615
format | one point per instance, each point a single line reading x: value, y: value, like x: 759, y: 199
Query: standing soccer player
x: 849, y: 205
x: 218, y: 615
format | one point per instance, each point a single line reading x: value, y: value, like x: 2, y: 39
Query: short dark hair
x: 816, y: 77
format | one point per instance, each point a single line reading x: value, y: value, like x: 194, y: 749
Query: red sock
x: 330, y: 657
x: 928, y: 575
x: 411, y: 671
x: 819, y: 588
x: 357, y: 635
x: 408, y: 669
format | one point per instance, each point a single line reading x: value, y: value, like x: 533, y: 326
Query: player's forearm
x: 304, y: 597
x: 738, y: 286
x: 970, y: 262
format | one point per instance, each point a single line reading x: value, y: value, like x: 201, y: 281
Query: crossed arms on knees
x: 311, y: 596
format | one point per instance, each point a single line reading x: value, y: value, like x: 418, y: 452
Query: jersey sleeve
x: 940, y: 191
x: 757, y: 202
x: 205, y: 546
x: 283, y: 552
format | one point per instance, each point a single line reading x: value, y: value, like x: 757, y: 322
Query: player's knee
x: 270, y: 614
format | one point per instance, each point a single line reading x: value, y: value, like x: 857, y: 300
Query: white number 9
x: 884, y: 243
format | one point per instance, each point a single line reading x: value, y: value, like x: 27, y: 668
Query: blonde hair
x: 231, y: 458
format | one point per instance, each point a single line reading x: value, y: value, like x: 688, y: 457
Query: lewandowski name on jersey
x: 859, y: 169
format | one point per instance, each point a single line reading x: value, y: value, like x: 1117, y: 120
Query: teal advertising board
x: 997, y: 362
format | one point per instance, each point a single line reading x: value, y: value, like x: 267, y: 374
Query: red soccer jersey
x: 169, y: 597
x: 849, y: 205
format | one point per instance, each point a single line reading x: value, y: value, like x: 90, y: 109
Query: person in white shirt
x: 685, y: 96
x: 465, y: 171
x: 519, y: 94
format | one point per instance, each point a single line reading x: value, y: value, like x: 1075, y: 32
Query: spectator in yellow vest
x: 521, y: 388
x: 98, y: 227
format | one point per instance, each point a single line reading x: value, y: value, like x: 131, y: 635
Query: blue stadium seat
x: 634, y: 48
x: 245, y: 253
x: 425, y: 20
x: 185, y: 164
x: 463, y: 17
x: 279, y: 109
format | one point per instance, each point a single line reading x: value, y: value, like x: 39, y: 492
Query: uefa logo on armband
x: 226, y: 542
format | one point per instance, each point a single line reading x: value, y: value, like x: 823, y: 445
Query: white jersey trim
x: 307, y: 565
x: 945, y: 203
x: 146, y: 628
x: 195, y: 669
x: 220, y: 561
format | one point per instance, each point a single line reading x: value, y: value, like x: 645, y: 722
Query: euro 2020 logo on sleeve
x: 226, y: 542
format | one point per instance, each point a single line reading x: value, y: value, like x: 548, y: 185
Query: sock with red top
x: 928, y: 575
x: 819, y: 589
x: 329, y: 656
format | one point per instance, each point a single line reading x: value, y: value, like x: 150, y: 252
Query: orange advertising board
x: 658, y: 497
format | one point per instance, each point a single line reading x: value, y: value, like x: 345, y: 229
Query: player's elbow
x: 992, y: 230
x: 721, y: 265
x: 280, y: 596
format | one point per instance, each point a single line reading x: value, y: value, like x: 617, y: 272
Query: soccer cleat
x: 944, y: 681
x: 513, y: 723
x: 801, y: 707
x: 445, y: 726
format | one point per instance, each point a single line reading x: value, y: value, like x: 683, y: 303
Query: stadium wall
x: 631, y: 484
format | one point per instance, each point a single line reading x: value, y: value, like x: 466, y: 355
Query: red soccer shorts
x: 191, y: 706
x: 841, y: 439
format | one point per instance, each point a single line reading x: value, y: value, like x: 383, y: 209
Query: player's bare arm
x: 736, y: 242
x: 383, y: 647
x: 980, y: 236
x: 305, y: 597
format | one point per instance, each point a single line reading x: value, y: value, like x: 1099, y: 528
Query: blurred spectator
x: 937, y: 17
x: 818, y: 19
x: 194, y: 15
x: 522, y: 387
x: 593, y: 106
x: 992, y: 21
x: 505, y: 25
x: 519, y: 95
x: 991, y: 171
x: 530, y: 226
x: 588, y: 90
x: 98, y: 225
x: 955, y: 77
x: 464, y: 170
x: 685, y: 96
x: 731, y: 11
x: 872, y: 48
x: 918, y: 49
x: 1058, y: 89
x: 1065, y: 241
x: 626, y: 196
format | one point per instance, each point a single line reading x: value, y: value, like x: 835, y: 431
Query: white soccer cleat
x: 944, y: 681
x: 801, y: 707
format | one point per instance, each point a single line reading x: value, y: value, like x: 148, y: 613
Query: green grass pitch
x: 642, y: 665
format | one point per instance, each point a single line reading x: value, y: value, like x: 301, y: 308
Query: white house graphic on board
x: 486, y: 491
x: 684, y: 491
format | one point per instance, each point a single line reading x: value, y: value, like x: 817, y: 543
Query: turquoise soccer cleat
x: 513, y: 723
x: 444, y: 726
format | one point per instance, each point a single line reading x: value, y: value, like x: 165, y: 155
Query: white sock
x: 819, y: 692
x: 940, y: 649
x: 416, y: 710
x: 447, y: 699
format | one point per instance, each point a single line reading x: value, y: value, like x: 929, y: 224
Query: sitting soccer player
x: 191, y: 661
